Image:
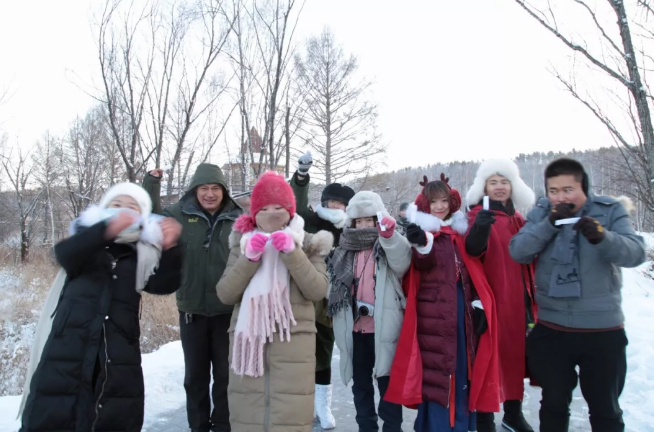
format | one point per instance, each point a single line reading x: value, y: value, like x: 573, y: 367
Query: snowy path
x: 164, y: 372
x: 343, y: 409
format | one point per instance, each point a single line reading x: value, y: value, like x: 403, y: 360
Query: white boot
x: 323, y: 406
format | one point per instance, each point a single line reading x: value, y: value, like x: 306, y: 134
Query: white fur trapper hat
x: 364, y: 204
x: 521, y: 194
x: 130, y: 189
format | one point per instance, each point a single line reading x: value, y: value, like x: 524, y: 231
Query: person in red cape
x: 445, y: 363
x: 512, y: 283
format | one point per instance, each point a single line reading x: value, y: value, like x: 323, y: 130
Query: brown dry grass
x: 23, y: 289
x: 159, y: 321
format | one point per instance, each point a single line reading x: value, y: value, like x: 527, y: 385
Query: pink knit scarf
x: 265, y: 307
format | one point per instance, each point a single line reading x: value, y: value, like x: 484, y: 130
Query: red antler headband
x: 423, y: 203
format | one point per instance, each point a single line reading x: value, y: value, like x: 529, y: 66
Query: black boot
x: 513, y: 420
x: 485, y: 422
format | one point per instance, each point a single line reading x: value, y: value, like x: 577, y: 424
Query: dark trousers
x: 324, y: 351
x: 363, y: 362
x: 602, y: 361
x: 205, y: 342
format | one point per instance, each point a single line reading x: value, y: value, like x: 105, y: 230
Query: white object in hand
x: 379, y: 218
x: 486, y: 202
x: 567, y: 221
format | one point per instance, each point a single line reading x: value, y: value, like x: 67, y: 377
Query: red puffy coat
x: 436, y: 309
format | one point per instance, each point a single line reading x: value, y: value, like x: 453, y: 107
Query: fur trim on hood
x: 430, y: 223
x: 627, y: 203
x: 364, y: 204
x: 149, y: 225
x: 521, y: 194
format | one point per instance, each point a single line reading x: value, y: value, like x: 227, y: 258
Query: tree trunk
x: 24, y: 241
x: 637, y: 89
x: 288, y: 141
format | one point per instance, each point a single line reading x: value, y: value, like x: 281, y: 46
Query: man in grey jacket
x: 578, y: 291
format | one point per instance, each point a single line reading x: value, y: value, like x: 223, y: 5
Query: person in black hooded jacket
x: 87, y: 375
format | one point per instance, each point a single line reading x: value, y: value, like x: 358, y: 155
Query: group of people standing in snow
x: 447, y: 311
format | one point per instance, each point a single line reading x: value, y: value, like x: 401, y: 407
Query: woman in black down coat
x: 88, y: 376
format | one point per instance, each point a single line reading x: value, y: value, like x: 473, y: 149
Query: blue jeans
x: 363, y: 362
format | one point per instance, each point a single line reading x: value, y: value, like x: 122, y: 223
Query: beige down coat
x: 281, y: 400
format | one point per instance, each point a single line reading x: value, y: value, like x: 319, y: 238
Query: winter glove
x: 283, y: 242
x: 591, y: 229
x: 171, y: 230
x: 479, y: 318
x: 389, y: 223
x: 255, y: 247
x: 117, y: 224
x: 561, y: 211
x: 416, y: 235
x: 304, y: 163
x: 485, y: 218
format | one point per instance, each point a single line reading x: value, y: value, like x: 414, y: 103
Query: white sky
x: 455, y: 80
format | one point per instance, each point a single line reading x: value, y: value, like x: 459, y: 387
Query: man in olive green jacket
x: 207, y: 214
x: 328, y: 216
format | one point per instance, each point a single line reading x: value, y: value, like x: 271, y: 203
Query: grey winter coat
x: 389, y: 310
x: 599, y: 305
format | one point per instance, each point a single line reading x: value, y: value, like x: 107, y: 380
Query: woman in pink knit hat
x: 274, y: 273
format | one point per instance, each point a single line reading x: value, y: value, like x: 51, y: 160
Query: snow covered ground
x: 164, y: 369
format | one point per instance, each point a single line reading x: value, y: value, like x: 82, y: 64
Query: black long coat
x: 89, y: 377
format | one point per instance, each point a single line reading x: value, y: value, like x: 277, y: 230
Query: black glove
x: 485, y: 218
x: 561, y: 211
x: 416, y: 235
x: 591, y: 229
x: 480, y: 321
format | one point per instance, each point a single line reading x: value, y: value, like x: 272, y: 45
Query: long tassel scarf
x: 265, y: 307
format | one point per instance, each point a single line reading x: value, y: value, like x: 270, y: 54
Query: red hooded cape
x: 405, y: 387
x: 508, y: 280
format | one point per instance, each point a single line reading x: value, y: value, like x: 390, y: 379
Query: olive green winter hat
x: 208, y: 174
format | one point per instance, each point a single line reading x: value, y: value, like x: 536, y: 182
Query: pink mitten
x: 255, y: 247
x: 389, y: 223
x: 283, y: 242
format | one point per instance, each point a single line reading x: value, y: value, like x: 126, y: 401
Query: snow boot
x: 323, y: 406
x: 485, y: 422
x: 514, y: 420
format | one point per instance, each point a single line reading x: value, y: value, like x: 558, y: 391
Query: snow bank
x: 638, y: 397
x: 164, y: 382
x: 164, y: 388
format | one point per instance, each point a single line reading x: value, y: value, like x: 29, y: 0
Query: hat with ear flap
x: 422, y: 202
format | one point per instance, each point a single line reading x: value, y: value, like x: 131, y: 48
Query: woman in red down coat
x: 512, y: 283
x: 445, y: 317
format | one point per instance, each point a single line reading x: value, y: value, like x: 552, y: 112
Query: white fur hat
x: 521, y: 194
x: 364, y: 204
x: 130, y: 189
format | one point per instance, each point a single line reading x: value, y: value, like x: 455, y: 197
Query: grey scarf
x: 565, y: 281
x: 341, y: 266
